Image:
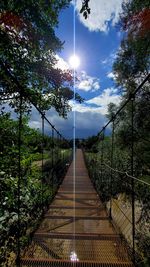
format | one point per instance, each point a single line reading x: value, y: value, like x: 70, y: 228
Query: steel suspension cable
x: 126, y: 174
x: 126, y: 102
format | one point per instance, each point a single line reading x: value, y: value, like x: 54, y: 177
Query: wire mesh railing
x: 120, y: 171
x: 34, y: 159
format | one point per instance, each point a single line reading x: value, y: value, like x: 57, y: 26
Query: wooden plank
x: 59, y: 217
x: 76, y: 207
x: 66, y: 263
x: 111, y: 251
x: 78, y: 236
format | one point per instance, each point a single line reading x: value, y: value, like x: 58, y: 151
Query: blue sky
x: 97, y: 41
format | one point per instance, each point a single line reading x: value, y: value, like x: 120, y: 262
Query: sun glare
x: 74, y: 61
x: 73, y: 256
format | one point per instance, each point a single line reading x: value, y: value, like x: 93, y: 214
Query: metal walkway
x: 76, y: 226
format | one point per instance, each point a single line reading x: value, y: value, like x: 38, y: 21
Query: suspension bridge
x: 76, y: 230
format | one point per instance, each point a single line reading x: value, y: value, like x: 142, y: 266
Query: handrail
x: 128, y: 175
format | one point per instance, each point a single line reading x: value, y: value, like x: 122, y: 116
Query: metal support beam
x: 102, y: 153
x: 132, y: 174
x: 52, y: 156
x: 19, y: 178
x: 111, y: 174
x: 42, y: 200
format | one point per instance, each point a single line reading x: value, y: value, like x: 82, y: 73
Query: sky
x: 97, y: 40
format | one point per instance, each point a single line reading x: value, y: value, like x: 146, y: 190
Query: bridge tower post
x: 52, y: 156
x: 132, y: 97
x: 19, y: 176
x: 112, y: 163
x: 102, y: 153
x: 42, y: 116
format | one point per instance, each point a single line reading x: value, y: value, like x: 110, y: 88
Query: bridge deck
x: 76, y: 222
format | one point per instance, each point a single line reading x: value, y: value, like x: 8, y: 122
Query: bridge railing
x: 120, y: 170
x: 33, y: 164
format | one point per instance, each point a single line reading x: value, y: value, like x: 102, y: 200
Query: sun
x: 74, y: 61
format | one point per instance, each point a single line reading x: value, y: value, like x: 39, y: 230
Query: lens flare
x: 74, y: 61
x: 73, y: 256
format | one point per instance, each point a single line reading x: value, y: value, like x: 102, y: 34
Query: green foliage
x: 130, y: 68
x: 91, y: 143
x: 111, y: 110
x: 28, y: 55
x: 37, y: 185
x: 110, y: 184
x: 132, y: 62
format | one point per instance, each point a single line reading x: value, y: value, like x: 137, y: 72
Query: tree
x: 135, y: 17
x: 131, y: 66
x: 91, y: 143
x: 27, y: 54
x: 132, y: 63
x: 111, y: 110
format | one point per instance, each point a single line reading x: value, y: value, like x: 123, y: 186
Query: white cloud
x: 35, y: 124
x: 102, y: 12
x: 85, y: 107
x: 109, y: 60
x: 108, y: 95
x: 88, y: 83
x: 111, y: 75
x: 61, y: 63
x: 105, y: 61
x: 89, y: 116
x: 85, y: 121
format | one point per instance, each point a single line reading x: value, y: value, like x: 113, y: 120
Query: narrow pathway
x: 76, y: 226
